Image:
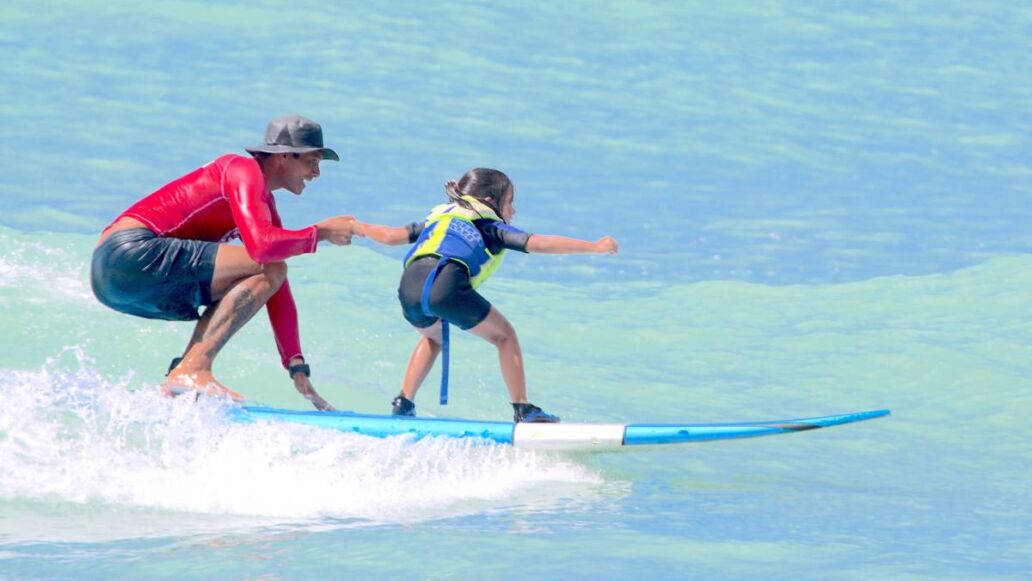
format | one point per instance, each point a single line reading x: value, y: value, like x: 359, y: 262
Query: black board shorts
x: 139, y: 273
x: 452, y: 296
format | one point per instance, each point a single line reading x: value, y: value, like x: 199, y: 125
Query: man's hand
x: 338, y: 229
x: 304, y: 387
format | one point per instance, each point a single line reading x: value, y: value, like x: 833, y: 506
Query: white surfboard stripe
x: 530, y: 435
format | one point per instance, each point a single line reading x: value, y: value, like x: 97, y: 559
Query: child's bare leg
x: 422, y: 360
x: 496, y: 330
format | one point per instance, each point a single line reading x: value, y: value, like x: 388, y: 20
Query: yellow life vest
x: 449, y: 234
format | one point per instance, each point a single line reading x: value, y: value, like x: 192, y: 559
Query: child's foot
x: 530, y: 413
x: 402, y: 406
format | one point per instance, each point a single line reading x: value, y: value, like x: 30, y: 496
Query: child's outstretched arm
x: 562, y: 245
x: 389, y: 235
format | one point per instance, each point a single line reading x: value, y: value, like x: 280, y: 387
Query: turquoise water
x: 821, y: 208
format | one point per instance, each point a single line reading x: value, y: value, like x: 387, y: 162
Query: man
x: 166, y: 255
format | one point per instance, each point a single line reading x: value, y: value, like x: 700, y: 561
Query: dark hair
x: 480, y: 183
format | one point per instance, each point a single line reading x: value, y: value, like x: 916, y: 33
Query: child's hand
x: 359, y: 229
x: 606, y: 245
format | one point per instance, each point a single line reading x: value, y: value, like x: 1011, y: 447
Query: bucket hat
x: 294, y: 134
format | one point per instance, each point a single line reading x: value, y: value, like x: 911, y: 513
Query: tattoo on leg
x: 243, y: 305
x: 202, y: 326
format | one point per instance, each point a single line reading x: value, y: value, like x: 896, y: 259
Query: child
x: 460, y: 244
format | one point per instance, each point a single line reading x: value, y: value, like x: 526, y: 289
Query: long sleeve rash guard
x: 226, y: 199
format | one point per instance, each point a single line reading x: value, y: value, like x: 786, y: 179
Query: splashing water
x: 73, y: 436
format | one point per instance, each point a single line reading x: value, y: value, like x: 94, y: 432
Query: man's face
x: 300, y: 169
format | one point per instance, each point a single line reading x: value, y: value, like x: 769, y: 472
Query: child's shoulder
x: 498, y: 225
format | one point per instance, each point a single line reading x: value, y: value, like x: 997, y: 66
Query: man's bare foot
x: 199, y: 382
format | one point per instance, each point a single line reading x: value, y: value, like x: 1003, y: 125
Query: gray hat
x: 294, y: 134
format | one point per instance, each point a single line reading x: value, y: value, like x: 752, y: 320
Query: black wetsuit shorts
x: 451, y: 297
x: 140, y: 273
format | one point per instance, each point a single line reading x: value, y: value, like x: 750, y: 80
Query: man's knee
x: 276, y: 273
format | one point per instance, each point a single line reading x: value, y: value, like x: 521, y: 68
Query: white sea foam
x: 67, y: 434
x: 36, y: 268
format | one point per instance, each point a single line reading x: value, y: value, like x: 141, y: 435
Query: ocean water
x: 821, y: 208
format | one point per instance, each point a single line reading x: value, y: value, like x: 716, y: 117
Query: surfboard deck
x: 562, y: 435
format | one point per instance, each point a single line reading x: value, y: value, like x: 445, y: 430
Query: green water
x: 821, y: 208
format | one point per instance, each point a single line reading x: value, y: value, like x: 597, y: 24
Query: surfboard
x: 562, y: 435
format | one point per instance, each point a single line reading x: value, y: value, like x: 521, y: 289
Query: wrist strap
x: 300, y: 367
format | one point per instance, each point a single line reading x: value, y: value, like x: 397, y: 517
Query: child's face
x: 508, y: 209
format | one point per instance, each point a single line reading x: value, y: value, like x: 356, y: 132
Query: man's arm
x: 283, y: 316
x: 263, y: 238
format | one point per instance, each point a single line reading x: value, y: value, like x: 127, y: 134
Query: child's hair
x: 480, y: 183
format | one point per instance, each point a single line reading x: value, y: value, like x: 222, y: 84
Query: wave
x: 69, y: 435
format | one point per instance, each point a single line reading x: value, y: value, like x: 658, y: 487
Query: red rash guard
x: 225, y: 199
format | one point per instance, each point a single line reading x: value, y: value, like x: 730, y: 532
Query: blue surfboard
x: 562, y: 435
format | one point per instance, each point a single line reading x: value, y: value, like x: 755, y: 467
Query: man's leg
x: 239, y: 288
x: 199, y: 329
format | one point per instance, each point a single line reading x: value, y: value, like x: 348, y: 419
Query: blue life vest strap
x: 425, y: 304
x: 444, y: 362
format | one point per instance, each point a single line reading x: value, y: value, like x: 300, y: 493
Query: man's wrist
x: 299, y: 368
